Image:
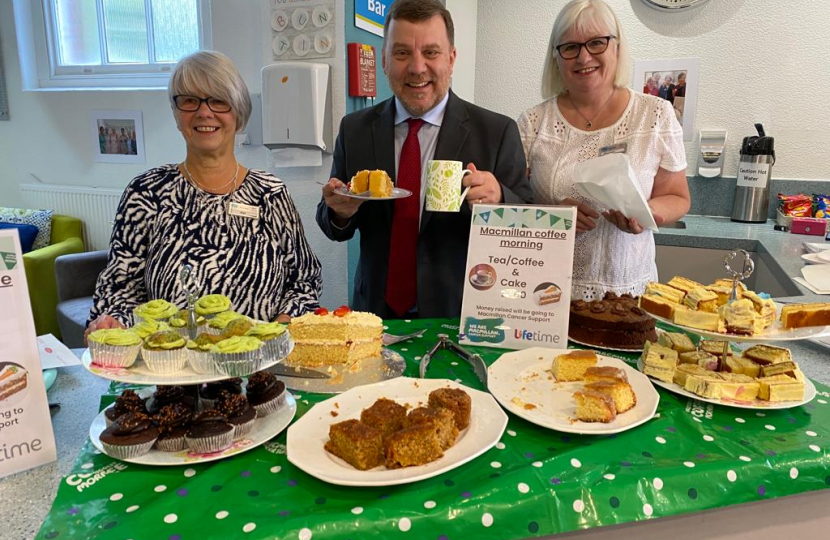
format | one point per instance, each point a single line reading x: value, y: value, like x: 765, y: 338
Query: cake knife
x: 291, y: 371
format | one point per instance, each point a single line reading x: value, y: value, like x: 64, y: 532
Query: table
x: 535, y: 482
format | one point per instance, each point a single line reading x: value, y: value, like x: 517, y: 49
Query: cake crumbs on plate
x: 335, y: 414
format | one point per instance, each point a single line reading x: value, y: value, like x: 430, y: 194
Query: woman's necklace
x: 589, y: 122
x: 201, y: 186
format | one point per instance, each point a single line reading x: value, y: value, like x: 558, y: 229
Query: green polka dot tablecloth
x: 692, y: 457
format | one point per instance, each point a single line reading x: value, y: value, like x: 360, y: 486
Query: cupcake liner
x: 127, y: 451
x: 276, y: 349
x: 165, y: 362
x: 238, y: 364
x: 174, y: 444
x: 270, y: 406
x: 208, y: 445
x: 240, y: 430
x: 116, y: 356
x: 202, y: 362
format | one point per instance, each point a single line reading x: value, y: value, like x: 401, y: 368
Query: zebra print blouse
x: 265, y: 266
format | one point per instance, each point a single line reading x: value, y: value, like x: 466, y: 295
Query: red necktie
x: 402, y: 277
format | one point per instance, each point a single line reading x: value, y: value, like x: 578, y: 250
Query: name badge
x: 243, y: 210
x: 613, y: 149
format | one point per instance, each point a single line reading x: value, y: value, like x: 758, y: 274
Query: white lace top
x: 605, y: 259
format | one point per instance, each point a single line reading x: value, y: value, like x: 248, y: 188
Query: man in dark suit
x: 412, y: 261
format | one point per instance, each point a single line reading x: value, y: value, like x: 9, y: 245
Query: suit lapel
x: 383, y: 139
x: 451, y: 139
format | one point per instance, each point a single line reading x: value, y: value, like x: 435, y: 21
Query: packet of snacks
x: 795, y: 205
x: 821, y: 206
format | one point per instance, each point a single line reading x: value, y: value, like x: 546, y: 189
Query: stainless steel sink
x: 680, y: 224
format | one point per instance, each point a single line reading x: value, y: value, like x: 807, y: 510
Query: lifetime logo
x: 537, y: 336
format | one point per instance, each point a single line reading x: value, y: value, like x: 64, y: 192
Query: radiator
x: 94, y: 207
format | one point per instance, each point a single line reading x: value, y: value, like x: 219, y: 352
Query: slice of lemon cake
x: 572, y: 366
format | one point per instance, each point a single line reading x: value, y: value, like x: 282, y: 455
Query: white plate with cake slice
x: 774, y: 332
x: 308, y: 435
x: 809, y: 394
x: 524, y: 385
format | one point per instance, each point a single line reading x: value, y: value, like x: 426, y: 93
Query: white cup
x: 443, y: 189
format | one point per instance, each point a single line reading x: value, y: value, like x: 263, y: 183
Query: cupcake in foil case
x: 154, y: 310
x: 173, y: 422
x: 265, y: 392
x: 164, y: 352
x: 210, y: 432
x: 237, y: 356
x: 238, y: 411
x: 114, y: 347
x: 130, y: 436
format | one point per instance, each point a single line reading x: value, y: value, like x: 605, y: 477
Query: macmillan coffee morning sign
x: 26, y: 438
x: 517, y: 286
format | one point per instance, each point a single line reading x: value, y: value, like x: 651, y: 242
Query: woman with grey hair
x: 588, y: 107
x: 237, y: 227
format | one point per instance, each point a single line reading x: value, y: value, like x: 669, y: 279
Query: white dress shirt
x: 427, y: 136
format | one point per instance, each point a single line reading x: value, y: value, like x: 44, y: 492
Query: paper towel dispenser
x: 296, y: 106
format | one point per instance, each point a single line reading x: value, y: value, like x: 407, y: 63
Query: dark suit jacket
x: 468, y: 134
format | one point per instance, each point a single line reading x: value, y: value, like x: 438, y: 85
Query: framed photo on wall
x: 675, y: 81
x: 118, y: 137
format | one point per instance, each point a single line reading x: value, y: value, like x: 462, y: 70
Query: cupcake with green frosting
x: 164, y: 352
x: 274, y: 340
x: 149, y: 326
x: 154, y: 310
x: 198, y: 353
x: 114, y: 347
x: 211, y: 304
x: 238, y: 355
x: 178, y: 322
x: 220, y: 321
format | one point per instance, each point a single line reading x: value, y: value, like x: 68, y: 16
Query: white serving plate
x: 389, y: 365
x: 138, y: 373
x: 265, y: 429
x: 817, y: 275
x: 308, y: 435
x: 814, y: 258
x: 522, y: 382
x: 774, y: 332
x: 809, y: 394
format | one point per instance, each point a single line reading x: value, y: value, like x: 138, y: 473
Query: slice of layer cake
x: 659, y: 362
x: 572, y: 366
x: 677, y: 341
x: 744, y: 366
x: 342, y: 337
x: 764, y: 307
x: 695, y: 357
x: 594, y: 407
x: 768, y: 354
x: 13, y: 379
x: 670, y: 294
x: 701, y: 299
x: 723, y: 293
x: 683, y: 284
x: 621, y: 392
x: 714, y: 347
x: 684, y: 370
x: 551, y: 295
x: 658, y: 305
x: 801, y: 315
x: 740, y: 318
x: 376, y: 182
x: 702, y: 320
x: 605, y: 373
x: 781, y: 368
x: 738, y: 387
x: 781, y: 388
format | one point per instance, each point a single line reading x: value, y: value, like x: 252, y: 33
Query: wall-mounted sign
x: 370, y: 14
x: 302, y: 29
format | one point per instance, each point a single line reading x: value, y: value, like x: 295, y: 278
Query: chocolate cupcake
x: 167, y: 395
x: 128, y: 401
x: 210, y: 432
x: 210, y: 391
x: 173, y: 422
x: 265, y: 392
x: 130, y: 436
x: 238, y: 411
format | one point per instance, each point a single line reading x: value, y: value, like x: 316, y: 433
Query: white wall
x: 760, y: 61
x: 464, y: 16
x: 48, y: 137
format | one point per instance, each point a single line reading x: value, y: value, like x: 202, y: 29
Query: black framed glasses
x: 597, y: 45
x: 192, y: 103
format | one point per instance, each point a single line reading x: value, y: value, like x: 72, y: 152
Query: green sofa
x: 67, y: 237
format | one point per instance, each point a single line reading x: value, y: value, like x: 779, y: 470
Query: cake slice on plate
x: 572, y: 366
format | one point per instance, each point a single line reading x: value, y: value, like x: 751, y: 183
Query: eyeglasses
x: 192, y: 103
x: 597, y: 45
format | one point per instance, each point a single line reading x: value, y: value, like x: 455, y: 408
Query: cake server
x: 444, y: 342
x: 291, y: 371
x: 391, y: 339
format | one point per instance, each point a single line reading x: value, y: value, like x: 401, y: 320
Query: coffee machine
x: 754, y: 172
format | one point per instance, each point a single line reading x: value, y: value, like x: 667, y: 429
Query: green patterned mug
x: 444, y: 185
